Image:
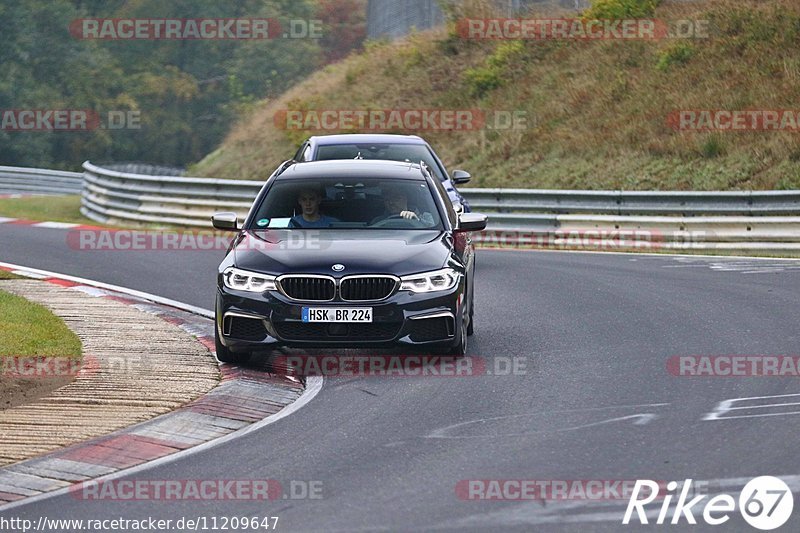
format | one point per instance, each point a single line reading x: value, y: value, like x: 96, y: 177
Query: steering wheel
x: 393, y: 218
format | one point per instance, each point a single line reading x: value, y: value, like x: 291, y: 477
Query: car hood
x: 360, y: 251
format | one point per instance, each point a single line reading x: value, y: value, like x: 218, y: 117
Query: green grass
x: 45, y: 209
x: 30, y: 329
x: 63, y: 209
x: 4, y: 274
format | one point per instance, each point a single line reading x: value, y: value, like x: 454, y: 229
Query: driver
x: 395, y: 201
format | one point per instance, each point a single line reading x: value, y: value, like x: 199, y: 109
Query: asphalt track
x: 595, y: 330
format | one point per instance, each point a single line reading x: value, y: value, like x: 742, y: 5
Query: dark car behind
x: 392, y: 147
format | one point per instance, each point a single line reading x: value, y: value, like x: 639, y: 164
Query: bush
x: 712, y: 147
x: 616, y: 9
x: 676, y: 54
x: 481, y: 80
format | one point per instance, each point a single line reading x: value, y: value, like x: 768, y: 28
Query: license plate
x: 337, y: 314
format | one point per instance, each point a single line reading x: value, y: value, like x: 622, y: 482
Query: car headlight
x: 438, y: 280
x: 242, y: 280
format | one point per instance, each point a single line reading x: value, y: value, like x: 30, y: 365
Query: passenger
x: 395, y: 200
x: 310, y: 217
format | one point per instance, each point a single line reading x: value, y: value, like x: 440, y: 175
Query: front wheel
x: 471, y: 326
x: 460, y: 349
x: 224, y: 355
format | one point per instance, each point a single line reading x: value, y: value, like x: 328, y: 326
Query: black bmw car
x: 347, y: 254
x: 392, y: 147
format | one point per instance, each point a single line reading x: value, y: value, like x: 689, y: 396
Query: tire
x: 471, y: 326
x: 224, y: 355
x: 460, y: 348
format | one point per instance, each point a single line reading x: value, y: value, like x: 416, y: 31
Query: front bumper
x: 254, y: 321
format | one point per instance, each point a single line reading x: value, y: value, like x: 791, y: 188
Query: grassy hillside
x: 597, y: 110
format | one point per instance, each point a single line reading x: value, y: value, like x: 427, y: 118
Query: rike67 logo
x: 765, y: 503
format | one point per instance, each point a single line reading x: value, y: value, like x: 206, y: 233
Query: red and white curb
x: 246, y: 400
x: 50, y: 225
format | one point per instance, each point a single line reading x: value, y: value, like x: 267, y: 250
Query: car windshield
x: 330, y: 203
x: 412, y: 153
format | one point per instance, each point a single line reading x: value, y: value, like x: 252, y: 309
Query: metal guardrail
x: 113, y: 196
x: 21, y: 180
x: 764, y: 221
x: 147, y: 169
x: 732, y: 220
x: 676, y: 203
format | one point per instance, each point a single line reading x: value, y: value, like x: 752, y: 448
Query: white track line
x: 131, y: 292
x: 55, y: 225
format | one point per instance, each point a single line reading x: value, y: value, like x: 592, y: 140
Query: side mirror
x: 226, y: 221
x: 472, y: 222
x: 461, y: 176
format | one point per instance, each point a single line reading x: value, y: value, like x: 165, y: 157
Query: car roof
x: 365, y: 138
x: 353, y: 168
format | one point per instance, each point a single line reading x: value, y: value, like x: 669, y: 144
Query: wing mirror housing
x: 472, y: 222
x: 226, y: 221
x: 461, y: 176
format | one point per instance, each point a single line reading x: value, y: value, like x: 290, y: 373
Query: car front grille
x: 350, y: 289
x: 308, y: 288
x: 374, y: 331
x: 367, y: 288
